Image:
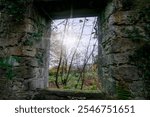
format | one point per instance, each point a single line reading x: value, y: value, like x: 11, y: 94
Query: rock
x: 29, y: 51
x: 126, y: 73
x: 121, y: 18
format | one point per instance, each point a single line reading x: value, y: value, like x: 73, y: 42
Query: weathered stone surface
x: 29, y: 67
x: 129, y: 31
x: 32, y: 84
x: 23, y: 72
x: 29, y: 51
x: 115, y: 59
x: 137, y: 89
x: 15, y: 51
x: 67, y: 95
x: 108, y: 11
x: 11, y: 39
x: 121, y: 18
x: 124, y: 5
x: 127, y: 73
x: 121, y: 45
x: 29, y: 61
x: 3, y: 82
x: 37, y: 83
x: 122, y: 33
x: 120, y: 58
x: 122, y: 26
x: 29, y: 25
x: 108, y: 85
x: 108, y: 35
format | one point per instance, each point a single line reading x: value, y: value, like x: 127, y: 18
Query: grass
x: 90, y: 82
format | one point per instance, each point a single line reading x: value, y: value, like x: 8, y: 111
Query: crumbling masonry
x: 25, y: 36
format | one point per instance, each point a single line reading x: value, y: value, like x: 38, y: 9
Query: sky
x: 72, y: 35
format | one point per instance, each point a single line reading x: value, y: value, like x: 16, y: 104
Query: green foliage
x: 7, y: 64
x: 90, y: 81
x: 36, y: 36
x: 52, y: 71
x: 32, y: 38
x: 92, y: 87
x: 123, y: 93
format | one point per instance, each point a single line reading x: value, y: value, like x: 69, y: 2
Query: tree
x: 68, y: 62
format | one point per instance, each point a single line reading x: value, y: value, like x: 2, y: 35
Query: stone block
x: 105, y: 72
x: 126, y: 73
x: 17, y: 86
x: 23, y: 72
x: 107, y: 36
x: 108, y: 11
x: 109, y: 86
x: 3, y: 83
x: 110, y: 31
x: 137, y: 89
x: 103, y: 61
x: 29, y: 25
x: 29, y: 51
x: 2, y: 72
x: 28, y: 61
x: 36, y: 83
x: 121, y: 18
x: 10, y: 39
x: 120, y: 58
x: 122, y: 45
x: 132, y: 32
x: 115, y: 59
x: 16, y: 51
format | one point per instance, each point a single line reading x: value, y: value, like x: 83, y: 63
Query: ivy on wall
x: 7, y: 63
x: 15, y: 10
x: 35, y: 36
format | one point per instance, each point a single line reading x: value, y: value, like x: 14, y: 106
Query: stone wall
x: 24, y: 49
x: 24, y: 44
x: 123, y: 32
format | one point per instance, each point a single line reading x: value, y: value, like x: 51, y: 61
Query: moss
x: 7, y: 64
x: 123, y: 93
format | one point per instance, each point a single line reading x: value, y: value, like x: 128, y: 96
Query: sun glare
x: 70, y: 41
x: 75, y: 36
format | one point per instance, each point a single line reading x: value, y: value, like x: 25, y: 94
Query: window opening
x: 73, y: 54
